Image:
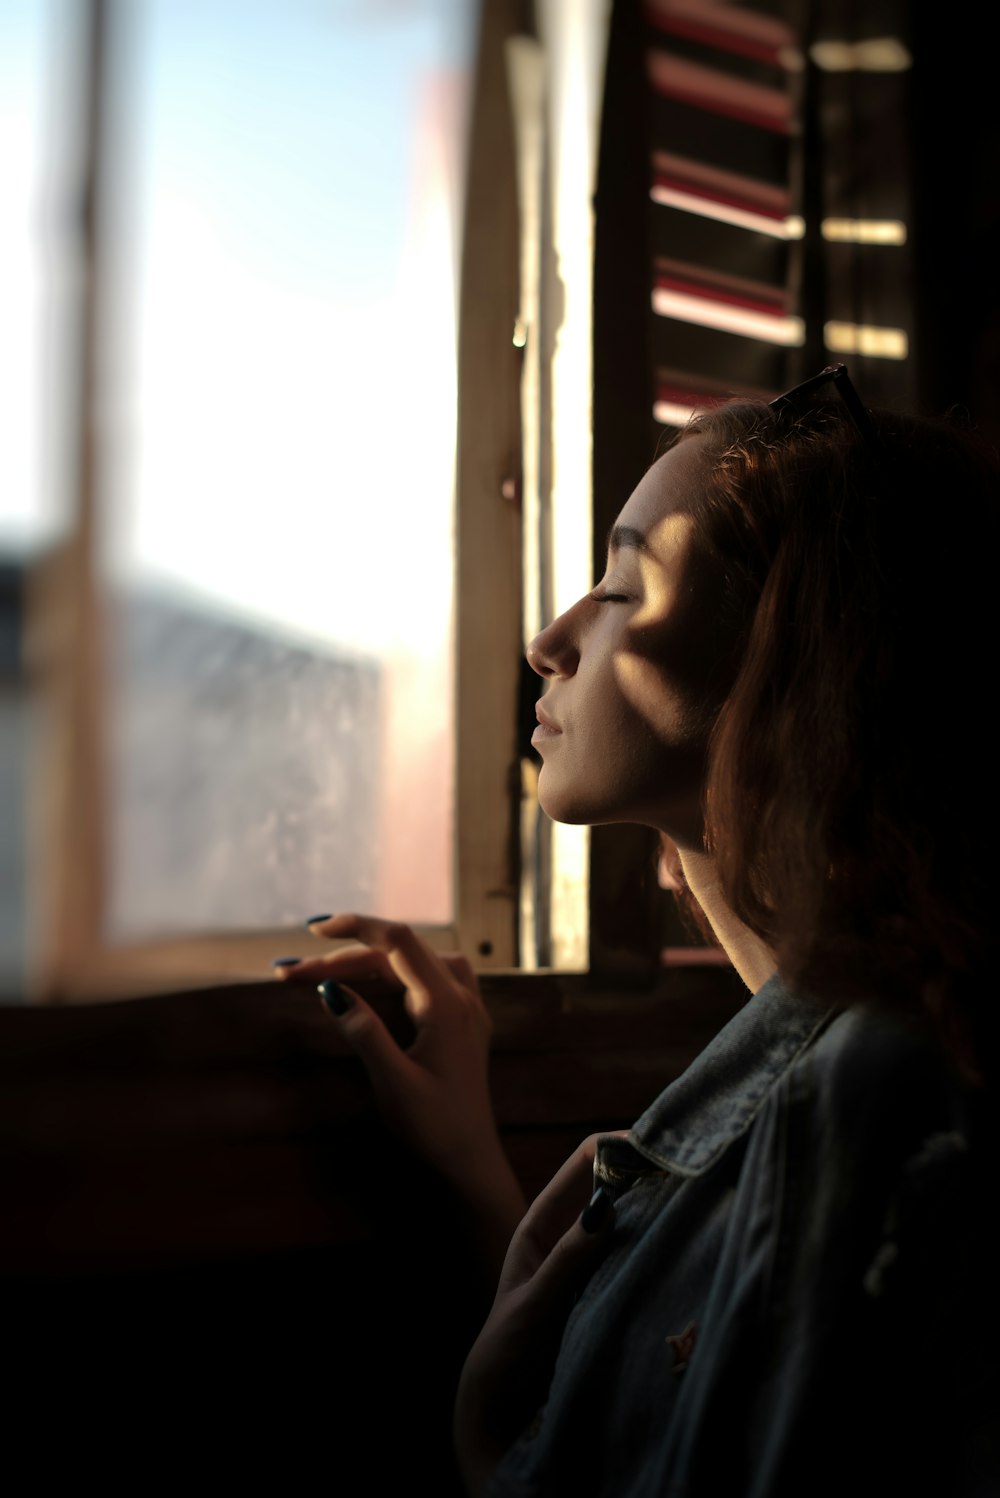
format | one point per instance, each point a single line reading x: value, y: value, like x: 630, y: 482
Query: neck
x: 752, y: 958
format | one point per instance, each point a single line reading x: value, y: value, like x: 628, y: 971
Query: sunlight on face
x: 639, y: 668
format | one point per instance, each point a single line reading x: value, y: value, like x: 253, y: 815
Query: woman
x: 781, y: 1281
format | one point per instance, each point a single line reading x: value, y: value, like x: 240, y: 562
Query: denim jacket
x: 798, y: 1297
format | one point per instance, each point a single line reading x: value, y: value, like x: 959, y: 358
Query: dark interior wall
x: 215, y: 1258
x: 956, y: 229
x: 924, y: 144
x: 921, y: 144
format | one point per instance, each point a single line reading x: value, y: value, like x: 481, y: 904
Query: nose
x: 553, y: 651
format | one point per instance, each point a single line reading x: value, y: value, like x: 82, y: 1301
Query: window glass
x: 37, y: 244
x: 279, y: 416
x: 35, y: 277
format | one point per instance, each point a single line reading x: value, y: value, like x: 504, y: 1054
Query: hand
x: 435, y: 1095
x: 508, y: 1371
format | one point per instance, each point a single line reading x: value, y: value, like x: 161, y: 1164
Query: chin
x: 680, y: 817
x: 560, y: 811
x: 563, y: 808
x: 576, y: 810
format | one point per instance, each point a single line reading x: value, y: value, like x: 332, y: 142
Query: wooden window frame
x: 629, y: 918
x: 65, y: 630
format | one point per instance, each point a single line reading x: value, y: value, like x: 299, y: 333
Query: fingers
x: 349, y: 962
x: 365, y: 1034
x: 510, y: 1364
x: 366, y: 962
x: 575, y: 1255
x: 553, y: 1213
x: 411, y: 958
x: 420, y: 970
x: 461, y: 968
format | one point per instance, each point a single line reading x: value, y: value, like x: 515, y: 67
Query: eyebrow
x: 622, y: 536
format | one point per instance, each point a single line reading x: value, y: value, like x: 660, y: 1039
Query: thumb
x: 510, y: 1365
x: 572, y: 1259
x: 580, y: 1248
x: 364, y: 1032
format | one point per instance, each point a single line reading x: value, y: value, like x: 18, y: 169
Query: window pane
x: 278, y: 556
x: 38, y: 245
x: 38, y: 242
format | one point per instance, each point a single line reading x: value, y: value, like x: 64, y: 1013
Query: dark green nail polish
x: 336, y: 999
x: 285, y: 961
x: 314, y: 918
x: 596, y: 1211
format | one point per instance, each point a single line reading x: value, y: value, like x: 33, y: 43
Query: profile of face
x: 638, y: 669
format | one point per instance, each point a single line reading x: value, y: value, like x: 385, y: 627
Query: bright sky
x: 21, y: 135
x: 280, y: 392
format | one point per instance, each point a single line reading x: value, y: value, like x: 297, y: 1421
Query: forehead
x: 661, y: 502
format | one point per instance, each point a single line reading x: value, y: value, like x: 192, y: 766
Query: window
x: 247, y: 699
x: 326, y: 465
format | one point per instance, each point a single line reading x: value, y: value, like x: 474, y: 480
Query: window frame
x: 65, y: 627
x: 628, y: 919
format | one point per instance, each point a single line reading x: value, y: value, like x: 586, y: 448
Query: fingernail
x: 285, y: 961
x: 314, y: 918
x: 595, y: 1212
x: 336, y: 999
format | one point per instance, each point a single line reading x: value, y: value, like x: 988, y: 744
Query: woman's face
x: 638, y: 669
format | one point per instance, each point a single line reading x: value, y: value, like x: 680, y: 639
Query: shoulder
x: 916, y: 1152
x: 885, y: 1149
x: 869, y: 1130
x: 871, y: 1073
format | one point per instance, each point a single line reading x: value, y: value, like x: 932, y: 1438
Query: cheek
x: 665, y: 705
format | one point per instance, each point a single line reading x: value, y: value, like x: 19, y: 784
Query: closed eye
x: 610, y: 598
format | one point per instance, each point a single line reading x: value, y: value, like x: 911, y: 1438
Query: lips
x: 545, y: 721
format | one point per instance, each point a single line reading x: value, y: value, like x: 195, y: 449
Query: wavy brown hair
x: 852, y: 790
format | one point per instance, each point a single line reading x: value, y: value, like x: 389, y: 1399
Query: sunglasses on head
x: 837, y: 376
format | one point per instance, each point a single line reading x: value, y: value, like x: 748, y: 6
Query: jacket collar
x: 719, y: 1096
